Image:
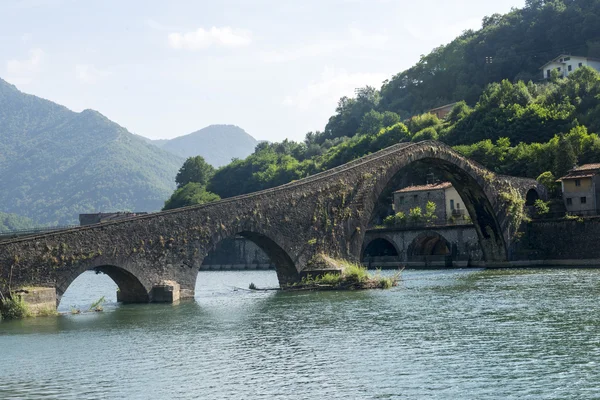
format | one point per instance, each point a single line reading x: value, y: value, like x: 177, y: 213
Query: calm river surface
x: 441, y: 334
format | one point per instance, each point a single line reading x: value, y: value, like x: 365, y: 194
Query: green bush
x: 415, y: 214
x: 14, y: 308
x: 397, y: 219
x: 541, y: 207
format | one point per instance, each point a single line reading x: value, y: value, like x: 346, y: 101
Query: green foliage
x: 565, y: 157
x: 14, y: 307
x: 423, y: 121
x: 511, y: 46
x: 514, y: 207
x: 351, y: 276
x: 430, y: 212
x: 191, y: 194
x: 547, y: 179
x: 13, y: 222
x: 397, y: 219
x: 97, y: 305
x: 541, y: 207
x: 425, y: 134
x: 415, y: 214
x: 194, y: 169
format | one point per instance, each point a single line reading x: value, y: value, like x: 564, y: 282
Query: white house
x: 565, y: 64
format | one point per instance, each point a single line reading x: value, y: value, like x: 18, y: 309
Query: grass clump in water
x: 351, y: 276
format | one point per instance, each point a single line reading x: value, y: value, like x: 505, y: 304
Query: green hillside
x: 506, y: 118
x: 55, y: 163
x: 217, y: 144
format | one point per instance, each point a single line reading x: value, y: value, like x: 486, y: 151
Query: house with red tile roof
x: 448, y: 203
x: 581, y: 189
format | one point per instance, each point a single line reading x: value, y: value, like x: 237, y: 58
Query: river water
x: 458, y: 334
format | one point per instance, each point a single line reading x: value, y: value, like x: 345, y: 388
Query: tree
x: 191, y: 194
x: 371, y: 123
x: 547, y: 179
x: 565, y: 157
x: 425, y: 134
x: 194, y: 169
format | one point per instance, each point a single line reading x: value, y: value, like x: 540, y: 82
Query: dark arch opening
x: 380, y: 248
x: 531, y: 197
x: 429, y: 244
x: 91, y: 284
x: 249, y: 250
x: 449, y: 167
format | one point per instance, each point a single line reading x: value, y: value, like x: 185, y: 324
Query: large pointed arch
x: 471, y: 181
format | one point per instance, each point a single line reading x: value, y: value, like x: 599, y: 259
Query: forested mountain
x: 13, y: 222
x: 217, y: 144
x: 55, y: 163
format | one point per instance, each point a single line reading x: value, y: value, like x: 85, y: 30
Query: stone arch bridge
x: 301, y: 226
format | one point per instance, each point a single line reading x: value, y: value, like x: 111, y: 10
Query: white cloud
x: 23, y: 71
x: 354, y: 38
x: 87, y: 73
x: 332, y: 85
x: 201, y: 38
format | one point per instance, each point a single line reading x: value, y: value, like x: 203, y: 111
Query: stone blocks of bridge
x: 166, y: 292
x: 38, y: 300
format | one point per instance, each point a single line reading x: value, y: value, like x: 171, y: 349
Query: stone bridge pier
x: 303, y: 227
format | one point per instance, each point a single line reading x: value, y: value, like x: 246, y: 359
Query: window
x: 583, y: 200
x: 569, y: 201
x: 452, y: 204
x: 548, y: 73
x: 567, y: 58
x: 458, y: 206
x: 416, y: 198
x: 569, y: 68
x: 401, y: 200
x: 581, y: 64
x: 558, y: 69
x: 577, y: 182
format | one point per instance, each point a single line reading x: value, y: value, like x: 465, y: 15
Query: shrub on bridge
x: 542, y: 207
x: 415, y: 214
x: 393, y: 220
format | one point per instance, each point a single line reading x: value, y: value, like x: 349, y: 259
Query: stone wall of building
x: 558, y: 240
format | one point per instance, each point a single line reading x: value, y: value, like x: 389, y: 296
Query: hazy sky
x: 274, y: 67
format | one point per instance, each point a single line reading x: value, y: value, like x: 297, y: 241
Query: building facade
x: 442, y: 111
x: 567, y: 64
x: 448, y: 204
x: 581, y: 189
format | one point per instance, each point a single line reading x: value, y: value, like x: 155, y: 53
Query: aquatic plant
x: 97, y: 305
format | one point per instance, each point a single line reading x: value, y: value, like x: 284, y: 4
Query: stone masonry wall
x: 558, y: 240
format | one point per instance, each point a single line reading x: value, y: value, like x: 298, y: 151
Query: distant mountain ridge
x: 56, y: 163
x: 218, y: 144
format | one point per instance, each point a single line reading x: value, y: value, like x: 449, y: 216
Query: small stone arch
x: 285, y: 266
x: 531, y: 196
x: 380, y: 247
x: 429, y: 244
x: 132, y: 288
